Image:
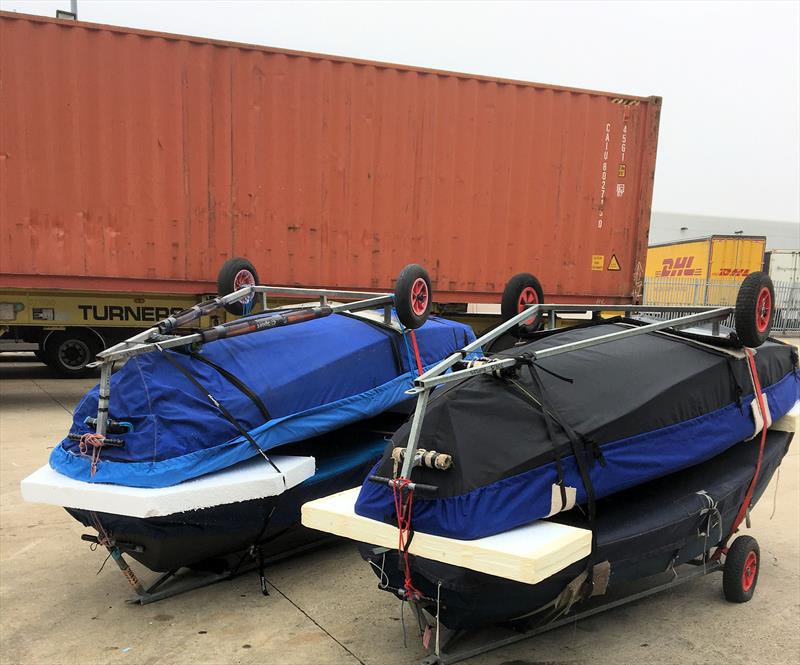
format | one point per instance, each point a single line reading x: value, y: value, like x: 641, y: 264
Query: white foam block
x: 526, y: 554
x: 790, y: 422
x: 253, y: 479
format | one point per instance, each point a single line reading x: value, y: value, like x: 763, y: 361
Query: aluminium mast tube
x: 169, y: 324
x: 425, y: 383
x: 413, y: 437
x: 451, y: 360
x: 103, y: 396
x: 434, y: 375
x: 144, y: 342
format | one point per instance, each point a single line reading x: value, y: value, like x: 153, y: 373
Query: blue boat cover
x: 313, y: 378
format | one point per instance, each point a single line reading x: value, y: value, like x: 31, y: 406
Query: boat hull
x: 204, y: 538
x: 641, y: 532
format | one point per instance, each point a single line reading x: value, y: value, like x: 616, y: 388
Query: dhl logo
x: 733, y: 272
x: 680, y: 266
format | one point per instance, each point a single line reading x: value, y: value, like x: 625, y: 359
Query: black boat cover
x: 638, y: 409
x: 640, y: 532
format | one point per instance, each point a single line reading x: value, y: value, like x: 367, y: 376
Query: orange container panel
x: 137, y: 160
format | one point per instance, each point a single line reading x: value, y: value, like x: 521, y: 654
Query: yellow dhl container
x: 703, y: 271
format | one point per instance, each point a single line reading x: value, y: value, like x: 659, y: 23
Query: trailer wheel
x: 740, y: 575
x: 413, y: 296
x: 754, y: 309
x: 68, y: 352
x: 233, y: 275
x: 522, y: 291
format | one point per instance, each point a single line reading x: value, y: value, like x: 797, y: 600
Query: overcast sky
x: 729, y: 72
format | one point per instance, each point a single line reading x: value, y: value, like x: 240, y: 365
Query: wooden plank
x: 526, y: 554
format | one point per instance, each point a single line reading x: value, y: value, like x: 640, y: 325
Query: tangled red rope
x: 96, y: 442
x: 403, y: 506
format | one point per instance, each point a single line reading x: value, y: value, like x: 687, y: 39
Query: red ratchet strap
x: 749, y: 495
x: 416, y: 352
x: 402, y: 507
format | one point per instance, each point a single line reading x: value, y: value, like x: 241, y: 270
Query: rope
x: 95, y: 441
x: 384, y: 578
x: 403, y: 506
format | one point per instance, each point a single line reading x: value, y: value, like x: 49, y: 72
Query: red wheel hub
x: 763, y: 309
x: 527, y: 297
x: 419, y: 296
x: 244, y: 278
x: 750, y: 571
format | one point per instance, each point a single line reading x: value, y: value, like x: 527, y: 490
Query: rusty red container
x: 132, y: 160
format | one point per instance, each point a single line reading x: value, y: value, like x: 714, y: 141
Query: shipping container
x: 702, y: 271
x: 783, y: 265
x: 139, y: 161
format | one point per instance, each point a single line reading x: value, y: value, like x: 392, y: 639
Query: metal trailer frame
x: 181, y: 580
x: 452, y: 646
x: 439, y: 375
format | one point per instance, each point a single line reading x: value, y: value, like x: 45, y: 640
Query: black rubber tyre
x: 68, y: 352
x: 740, y: 575
x: 522, y: 290
x: 755, y: 306
x: 40, y: 355
x: 233, y: 275
x: 413, y: 296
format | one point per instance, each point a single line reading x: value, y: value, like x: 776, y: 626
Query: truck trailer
x: 134, y: 163
x: 701, y: 271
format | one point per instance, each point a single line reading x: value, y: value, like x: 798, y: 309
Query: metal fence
x: 687, y: 291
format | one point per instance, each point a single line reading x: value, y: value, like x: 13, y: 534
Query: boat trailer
x: 411, y: 302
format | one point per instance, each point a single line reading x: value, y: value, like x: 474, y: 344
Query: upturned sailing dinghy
x: 185, y: 406
x: 186, y: 452
x: 611, y: 445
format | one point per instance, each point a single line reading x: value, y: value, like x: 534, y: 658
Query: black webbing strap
x: 226, y: 414
x: 737, y: 388
x: 550, y: 433
x: 577, y: 442
x: 579, y: 450
x: 390, y: 332
x: 237, y: 383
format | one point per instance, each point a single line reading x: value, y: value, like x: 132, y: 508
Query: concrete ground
x: 324, y: 607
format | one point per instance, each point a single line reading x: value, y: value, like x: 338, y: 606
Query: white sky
x: 729, y: 72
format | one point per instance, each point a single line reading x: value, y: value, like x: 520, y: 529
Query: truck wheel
x: 70, y: 351
x: 740, y: 575
x: 522, y: 291
x: 754, y: 309
x: 233, y: 275
x: 413, y: 296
